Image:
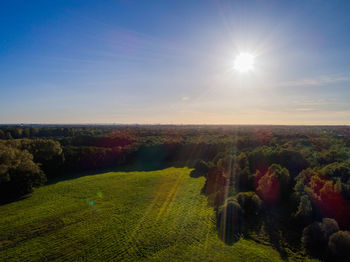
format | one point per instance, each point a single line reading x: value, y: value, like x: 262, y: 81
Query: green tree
x: 274, y: 185
x: 315, y: 236
x: 250, y: 203
x: 18, y: 172
x: 304, y: 213
x: 230, y: 220
x: 339, y: 247
x: 201, y: 168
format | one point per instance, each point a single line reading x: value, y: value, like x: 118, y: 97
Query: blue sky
x: 172, y: 62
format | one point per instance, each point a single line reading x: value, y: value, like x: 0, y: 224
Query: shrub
x: 315, y: 236
x: 250, y: 203
x: 312, y: 239
x: 339, y: 246
x: 201, y: 168
x: 329, y: 227
x: 230, y: 220
x: 303, y: 214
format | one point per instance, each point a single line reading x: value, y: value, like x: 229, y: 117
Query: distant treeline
x: 280, y: 178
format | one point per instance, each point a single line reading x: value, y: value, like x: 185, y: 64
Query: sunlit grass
x: 157, y: 215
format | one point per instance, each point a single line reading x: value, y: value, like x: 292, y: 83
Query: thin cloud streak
x: 314, y: 81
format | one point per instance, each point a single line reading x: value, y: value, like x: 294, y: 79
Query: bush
x: 250, y: 203
x: 329, y: 227
x: 230, y: 220
x: 315, y: 236
x: 312, y: 239
x: 303, y: 214
x: 201, y: 168
x: 339, y: 246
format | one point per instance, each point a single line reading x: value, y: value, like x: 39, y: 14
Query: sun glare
x: 244, y: 62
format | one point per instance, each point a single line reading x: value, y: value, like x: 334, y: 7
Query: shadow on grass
x: 135, y: 167
x: 13, y: 199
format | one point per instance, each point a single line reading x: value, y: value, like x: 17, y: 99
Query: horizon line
x: 165, y: 124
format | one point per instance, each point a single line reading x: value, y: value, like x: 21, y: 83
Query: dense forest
x: 291, y: 182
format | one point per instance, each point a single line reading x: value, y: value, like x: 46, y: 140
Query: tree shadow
x: 4, y: 201
x: 282, y: 234
x: 138, y: 167
x: 275, y: 237
x: 196, y: 174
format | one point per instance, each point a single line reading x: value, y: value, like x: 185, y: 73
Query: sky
x: 172, y: 62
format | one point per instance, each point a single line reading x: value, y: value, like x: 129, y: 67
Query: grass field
x: 156, y: 215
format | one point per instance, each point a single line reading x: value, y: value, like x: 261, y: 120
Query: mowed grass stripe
x: 149, y: 221
x: 118, y: 216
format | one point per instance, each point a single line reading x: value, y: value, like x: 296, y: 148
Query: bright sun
x: 244, y: 62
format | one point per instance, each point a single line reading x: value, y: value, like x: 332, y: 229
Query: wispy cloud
x: 314, y: 102
x: 308, y: 105
x: 305, y: 109
x: 314, y: 81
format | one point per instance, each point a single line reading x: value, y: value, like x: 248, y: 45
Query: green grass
x: 156, y: 215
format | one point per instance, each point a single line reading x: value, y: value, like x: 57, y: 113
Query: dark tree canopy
x: 316, y: 235
x: 339, y: 246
